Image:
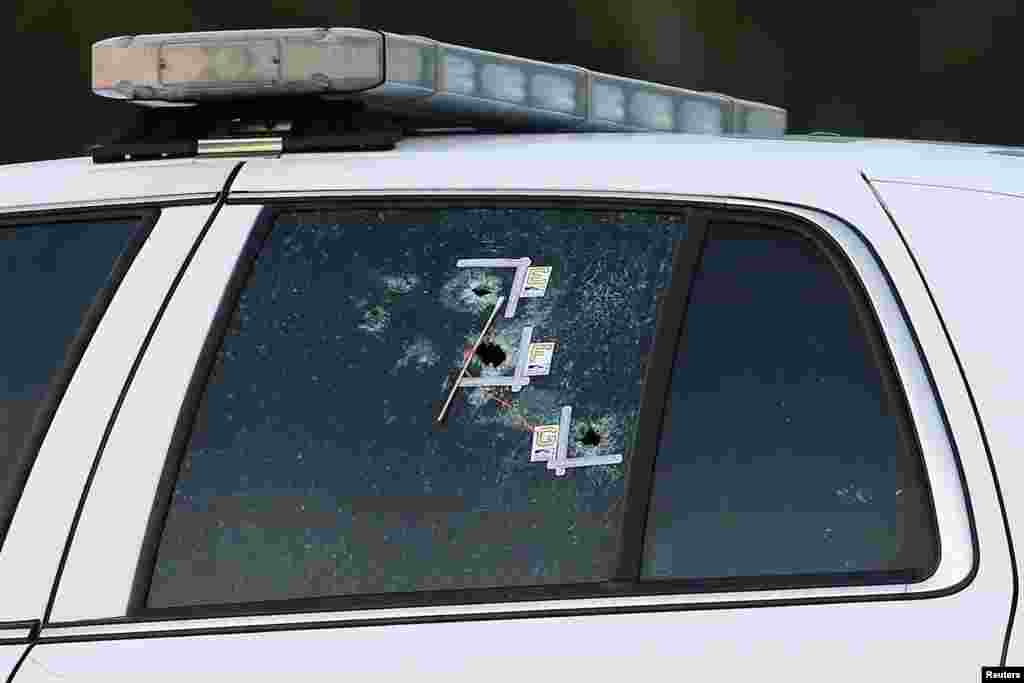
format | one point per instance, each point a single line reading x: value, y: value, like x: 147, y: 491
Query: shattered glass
x: 317, y: 466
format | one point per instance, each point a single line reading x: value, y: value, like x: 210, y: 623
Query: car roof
x: 810, y: 171
x: 816, y: 174
x: 78, y: 182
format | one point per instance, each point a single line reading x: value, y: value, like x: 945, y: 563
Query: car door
x: 476, y: 436
x: 975, y: 282
x: 85, y: 268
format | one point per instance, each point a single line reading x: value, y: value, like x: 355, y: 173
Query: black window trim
x: 697, y: 213
x: 668, y: 341
x: 29, y: 626
x: 145, y: 218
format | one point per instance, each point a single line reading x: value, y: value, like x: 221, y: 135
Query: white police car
x: 293, y: 386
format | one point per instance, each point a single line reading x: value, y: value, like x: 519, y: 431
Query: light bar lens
x: 341, y: 62
x: 253, y: 61
x: 650, y: 110
x: 459, y: 74
x: 608, y: 102
x: 218, y: 64
x: 554, y: 92
x: 445, y: 83
x: 699, y: 116
x: 411, y: 62
x: 503, y: 82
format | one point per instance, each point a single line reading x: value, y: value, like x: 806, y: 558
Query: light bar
x: 411, y: 76
x: 190, y: 67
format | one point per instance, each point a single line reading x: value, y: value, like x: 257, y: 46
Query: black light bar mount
x: 300, y: 124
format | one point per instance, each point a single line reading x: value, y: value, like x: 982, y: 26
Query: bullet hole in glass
x: 490, y: 354
x: 590, y: 437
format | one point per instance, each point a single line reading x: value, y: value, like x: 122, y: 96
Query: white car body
x: 933, y: 231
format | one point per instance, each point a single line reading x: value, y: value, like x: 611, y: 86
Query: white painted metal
x: 72, y: 183
x: 969, y: 245
x: 372, y: 617
x: 848, y: 642
x: 852, y: 642
x: 131, y: 454
x: 965, y: 168
x: 9, y: 655
x: 35, y: 540
x: 814, y: 174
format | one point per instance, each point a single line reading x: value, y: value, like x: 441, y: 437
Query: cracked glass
x: 317, y: 465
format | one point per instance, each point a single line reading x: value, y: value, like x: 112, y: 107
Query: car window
x: 52, y: 275
x: 316, y: 463
x: 782, y: 451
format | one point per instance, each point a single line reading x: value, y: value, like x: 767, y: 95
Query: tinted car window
x: 316, y: 465
x: 51, y: 275
x: 782, y: 451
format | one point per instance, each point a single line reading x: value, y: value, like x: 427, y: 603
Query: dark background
x: 939, y: 71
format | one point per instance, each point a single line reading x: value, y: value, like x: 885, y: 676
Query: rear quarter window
x: 786, y: 448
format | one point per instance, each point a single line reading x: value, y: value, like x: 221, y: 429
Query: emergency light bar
x: 409, y: 76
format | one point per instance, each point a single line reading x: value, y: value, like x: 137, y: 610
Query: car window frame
x: 204, y: 366
x: 146, y: 218
x: 626, y: 581
x: 322, y: 608
x: 881, y: 359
